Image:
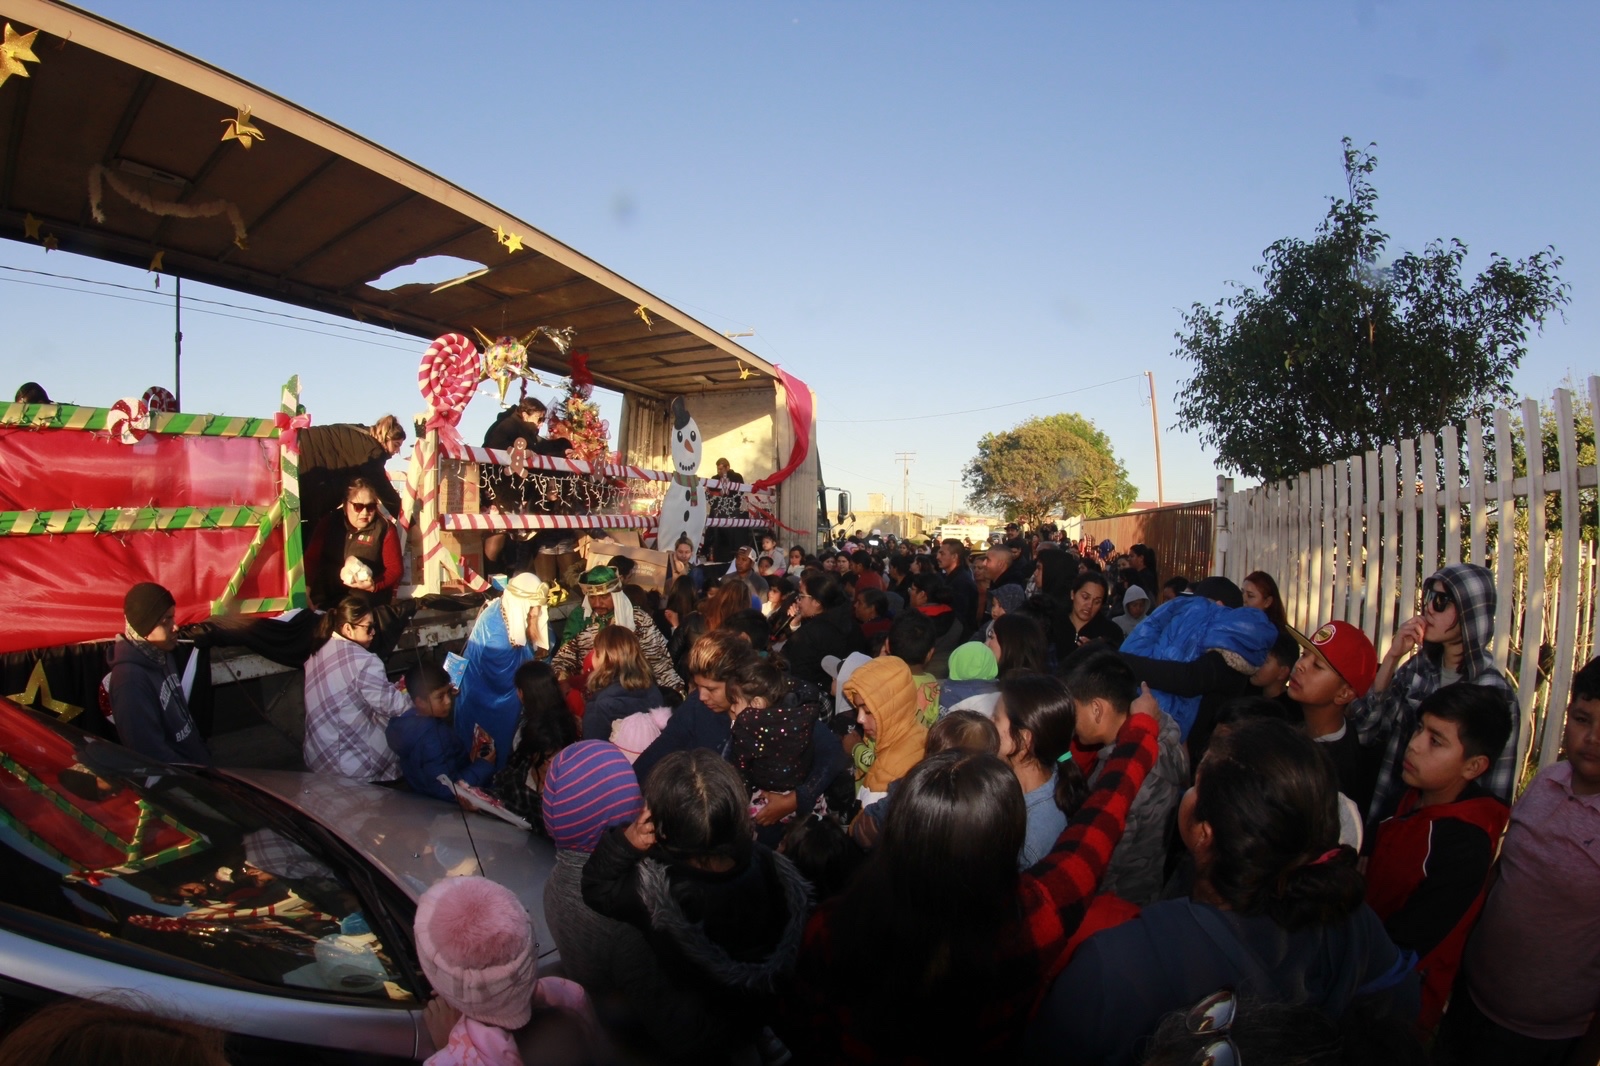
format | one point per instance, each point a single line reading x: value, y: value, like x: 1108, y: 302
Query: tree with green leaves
x: 1344, y: 349
x: 1044, y: 466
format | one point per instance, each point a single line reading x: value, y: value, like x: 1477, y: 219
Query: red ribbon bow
x: 289, y: 429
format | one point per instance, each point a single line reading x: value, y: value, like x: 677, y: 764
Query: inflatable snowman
x: 683, y: 508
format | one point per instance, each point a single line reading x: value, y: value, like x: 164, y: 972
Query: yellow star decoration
x: 50, y: 242
x: 241, y: 129
x: 30, y: 227
x: 39, y: 686
x: 14, y: 49
x: 155, y: 262
x: 241, y: 243
x: 644, y: 315
x: 744, y: 372
x: 512, y: 241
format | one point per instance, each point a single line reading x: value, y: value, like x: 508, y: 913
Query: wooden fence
x: 1355, y: 539
x: 1180, y: 534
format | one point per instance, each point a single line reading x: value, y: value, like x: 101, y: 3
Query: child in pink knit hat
x: 476, y: 947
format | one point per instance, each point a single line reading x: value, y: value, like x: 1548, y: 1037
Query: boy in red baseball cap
x: 1336, y: 669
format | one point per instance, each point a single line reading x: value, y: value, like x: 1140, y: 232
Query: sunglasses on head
x: 365, y: 507
x: 1214, y: 1016
x: 1438, y: 600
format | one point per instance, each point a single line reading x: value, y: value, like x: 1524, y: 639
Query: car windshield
x: 97, y: 836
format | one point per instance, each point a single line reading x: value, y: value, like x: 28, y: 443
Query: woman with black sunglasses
x: 354, y: 549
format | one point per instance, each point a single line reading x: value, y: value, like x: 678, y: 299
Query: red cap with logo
x: 1347, y: 650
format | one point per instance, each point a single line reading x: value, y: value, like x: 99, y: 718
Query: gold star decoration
x: 155, y: 262
x: 50, y: 242
x: 37, y: 695
x: 744, y: 372
x: 241, y: 242
x: 30, y: 227
x: 512, y: 241
x: 14, y: 49
x: 241, y: 129
x: 644, y: 316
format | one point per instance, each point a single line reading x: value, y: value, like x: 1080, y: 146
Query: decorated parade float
x: 114, y: 152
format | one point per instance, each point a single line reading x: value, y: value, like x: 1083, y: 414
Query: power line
x: 978, y: 410
x: 218, y: 314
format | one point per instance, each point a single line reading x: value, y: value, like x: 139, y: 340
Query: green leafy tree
x: 1339, y: 353
x: 1057, y: 464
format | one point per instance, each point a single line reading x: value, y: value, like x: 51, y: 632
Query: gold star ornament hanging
x: 241, y: 129
x: 37, y: 695
x: 50, y: 242
x: 744, y: 372
x: 155, y: 262
x: 644, y: 316
x: 15, y: 49
x: 30, y: 227
x: 512, y: 241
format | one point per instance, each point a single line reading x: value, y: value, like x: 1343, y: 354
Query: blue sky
x: 920, y: 208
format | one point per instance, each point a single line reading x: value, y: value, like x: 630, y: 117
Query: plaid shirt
x: 824, y: 1026
x: 1386, y: 721
x: 349, y: 701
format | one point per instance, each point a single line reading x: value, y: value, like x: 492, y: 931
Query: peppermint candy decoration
x: 158, y: 400
x: 448, y: 376
x: 129, y: 420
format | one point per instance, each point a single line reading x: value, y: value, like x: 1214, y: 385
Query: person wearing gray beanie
x: 148, y: 705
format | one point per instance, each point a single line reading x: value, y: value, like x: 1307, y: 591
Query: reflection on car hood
x: 417, y: 840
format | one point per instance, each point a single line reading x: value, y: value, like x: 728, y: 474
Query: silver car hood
x: 417, y: 840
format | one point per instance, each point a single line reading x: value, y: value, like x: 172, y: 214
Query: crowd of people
x: 907, y: 805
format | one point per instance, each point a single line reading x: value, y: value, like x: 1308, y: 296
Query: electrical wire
x: 218, y: 314
x: 978, y: 410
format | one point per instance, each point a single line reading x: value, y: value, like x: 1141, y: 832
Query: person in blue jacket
x: 427, y: 744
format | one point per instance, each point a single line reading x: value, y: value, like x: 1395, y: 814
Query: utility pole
x: 1155, y: 428
x: 177, y: 343
x: 953, y: 484
x: 905, y: 459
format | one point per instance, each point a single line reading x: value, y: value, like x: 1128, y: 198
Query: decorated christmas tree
x: 577, y: 417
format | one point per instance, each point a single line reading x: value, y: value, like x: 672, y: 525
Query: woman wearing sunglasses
x: 1276, y: 912
x: 354, y: 549
x: 1450, y: 638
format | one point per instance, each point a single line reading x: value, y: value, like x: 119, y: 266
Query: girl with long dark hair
x: 545, y: 728
x: 1277, y: 910
x: 1035, y: 719
x: 940, y: 948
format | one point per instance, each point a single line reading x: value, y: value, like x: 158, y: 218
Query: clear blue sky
x: 919, y: 208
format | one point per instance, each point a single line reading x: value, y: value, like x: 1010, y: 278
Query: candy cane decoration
x: 158, y: 400
x: 294, y: 566
x: 447, y: 377
x: 129, y: 420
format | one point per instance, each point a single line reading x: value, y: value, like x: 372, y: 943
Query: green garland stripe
x: 93, y: 419
x: 130, y: 519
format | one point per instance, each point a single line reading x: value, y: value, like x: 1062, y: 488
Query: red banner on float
x: 62, y: 588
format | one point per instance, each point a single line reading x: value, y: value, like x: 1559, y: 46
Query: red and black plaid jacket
x: 823, y: 1025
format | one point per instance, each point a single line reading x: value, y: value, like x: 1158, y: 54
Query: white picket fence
x: 1354, y: 540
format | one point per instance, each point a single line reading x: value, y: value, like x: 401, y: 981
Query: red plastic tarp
x: 66, y: 588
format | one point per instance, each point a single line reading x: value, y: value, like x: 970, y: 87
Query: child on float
x: 427, y: 744
x: 1430, y: 861
x: 723, y: 913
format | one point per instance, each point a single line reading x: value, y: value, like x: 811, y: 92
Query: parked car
x: 269, y: 904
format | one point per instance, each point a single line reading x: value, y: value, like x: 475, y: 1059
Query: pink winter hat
x: 476, y: 947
